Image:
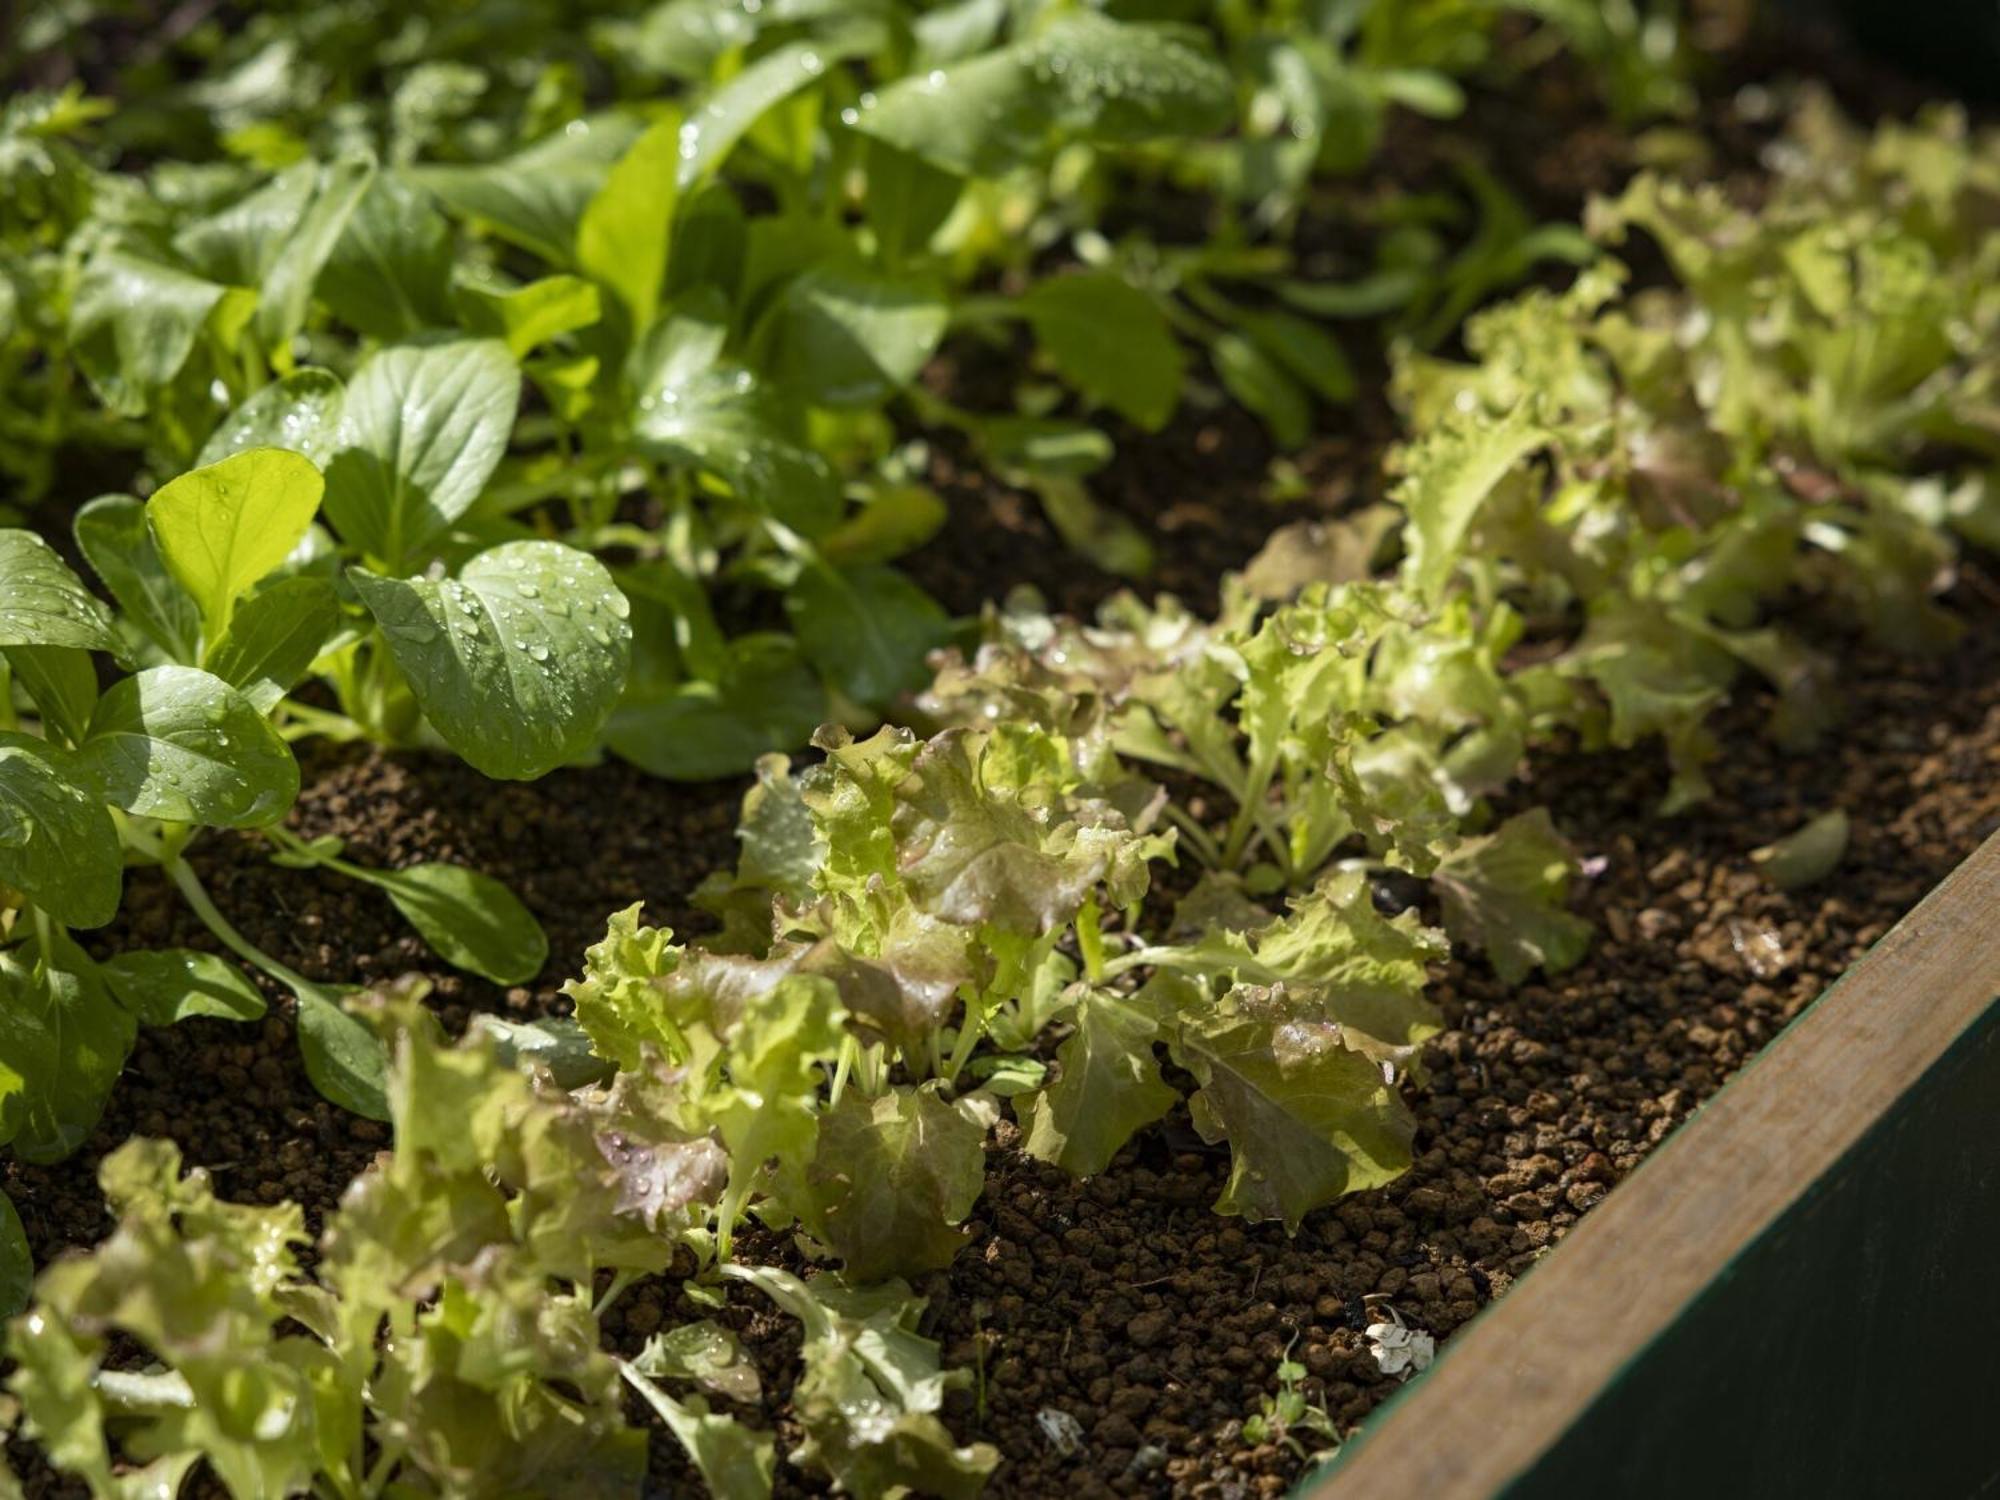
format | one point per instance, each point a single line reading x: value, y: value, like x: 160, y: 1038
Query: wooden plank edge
x: 1504, y: 1391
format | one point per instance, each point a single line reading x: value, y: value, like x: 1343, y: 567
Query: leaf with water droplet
x: 164, y: 985
x: 181, y: 744
x: 470, y: 920
x: 300, y: 412
x: 346, y: 1061
x: 44, y: 603
x: 1081, y: 78
x: 58, y: 846
x: 511, y: 712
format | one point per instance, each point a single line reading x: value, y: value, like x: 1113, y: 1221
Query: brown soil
x: 1124, y: 1302
x: 235, y: 1097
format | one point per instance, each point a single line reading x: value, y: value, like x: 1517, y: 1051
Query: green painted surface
x: 1853, y: 1350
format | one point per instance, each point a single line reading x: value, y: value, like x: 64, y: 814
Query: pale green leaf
x: 623, y: 235
x: 1505, y: 893
x: 1107, y: 1086
x: 223, y: 527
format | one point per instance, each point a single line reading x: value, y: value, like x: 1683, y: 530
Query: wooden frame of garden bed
x: 1797, y: 1294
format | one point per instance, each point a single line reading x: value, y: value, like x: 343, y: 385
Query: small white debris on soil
x: 1400, y: 1350
x: 1064, y: 1432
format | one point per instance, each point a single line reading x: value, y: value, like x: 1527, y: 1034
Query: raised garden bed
x: 1554, y: 707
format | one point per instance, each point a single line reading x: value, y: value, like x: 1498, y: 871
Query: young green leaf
x: 1081, y: 77
x: 536, y: 197
x: 421, y: 431
x: 63, y: 1043
x: 764, y: 699
x: 893, y: 1179
x: 726, y: 421
x: 518, y: 661
x: 112, y: 534
x: 346, y: 1061
x: 622, y: 238
x: 222, y: 528
x: 1449, y: 476
x: 1807, y: 855
x: 847, y: 336
x: 286, y: 293
x: 58, y: 846
x: 470, y: 920
x: 1111, y: 341
x: 390, y: 270
x: 43, y: 603
x: 164, y: 985
x: 181, y: 744
x: 871, y: 1390
x: 735, y: 1462
x: 616, y: 1001
x: 526, y: 317
x: 1307, y: 1118
x: 274, y: 636
x: 62, y: 680
x: 300, y: 412
x: 1504, y: 893
x: 1107, y: 1087
x: 134, y: 323
x: 867, y: 630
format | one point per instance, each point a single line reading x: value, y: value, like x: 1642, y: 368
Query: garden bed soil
x: 1123, y: 1302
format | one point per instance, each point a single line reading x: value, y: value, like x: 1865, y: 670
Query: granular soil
x: 1123, y: 1302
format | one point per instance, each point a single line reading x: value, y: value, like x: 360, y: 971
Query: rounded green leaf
x: 44, y: 603
x: 518, y: 661
x: 57, y: 843
x: 471, y: 921
x: 181, y: 744
x: 222, y: 528
x: 346, y: 1061
x: 420, y: 433
x: 164, y: 985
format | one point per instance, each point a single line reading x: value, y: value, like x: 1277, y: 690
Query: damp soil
x: 1126, y: 1305
x: 1123, y: 1303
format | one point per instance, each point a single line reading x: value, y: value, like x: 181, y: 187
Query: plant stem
x: 189, y: 885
